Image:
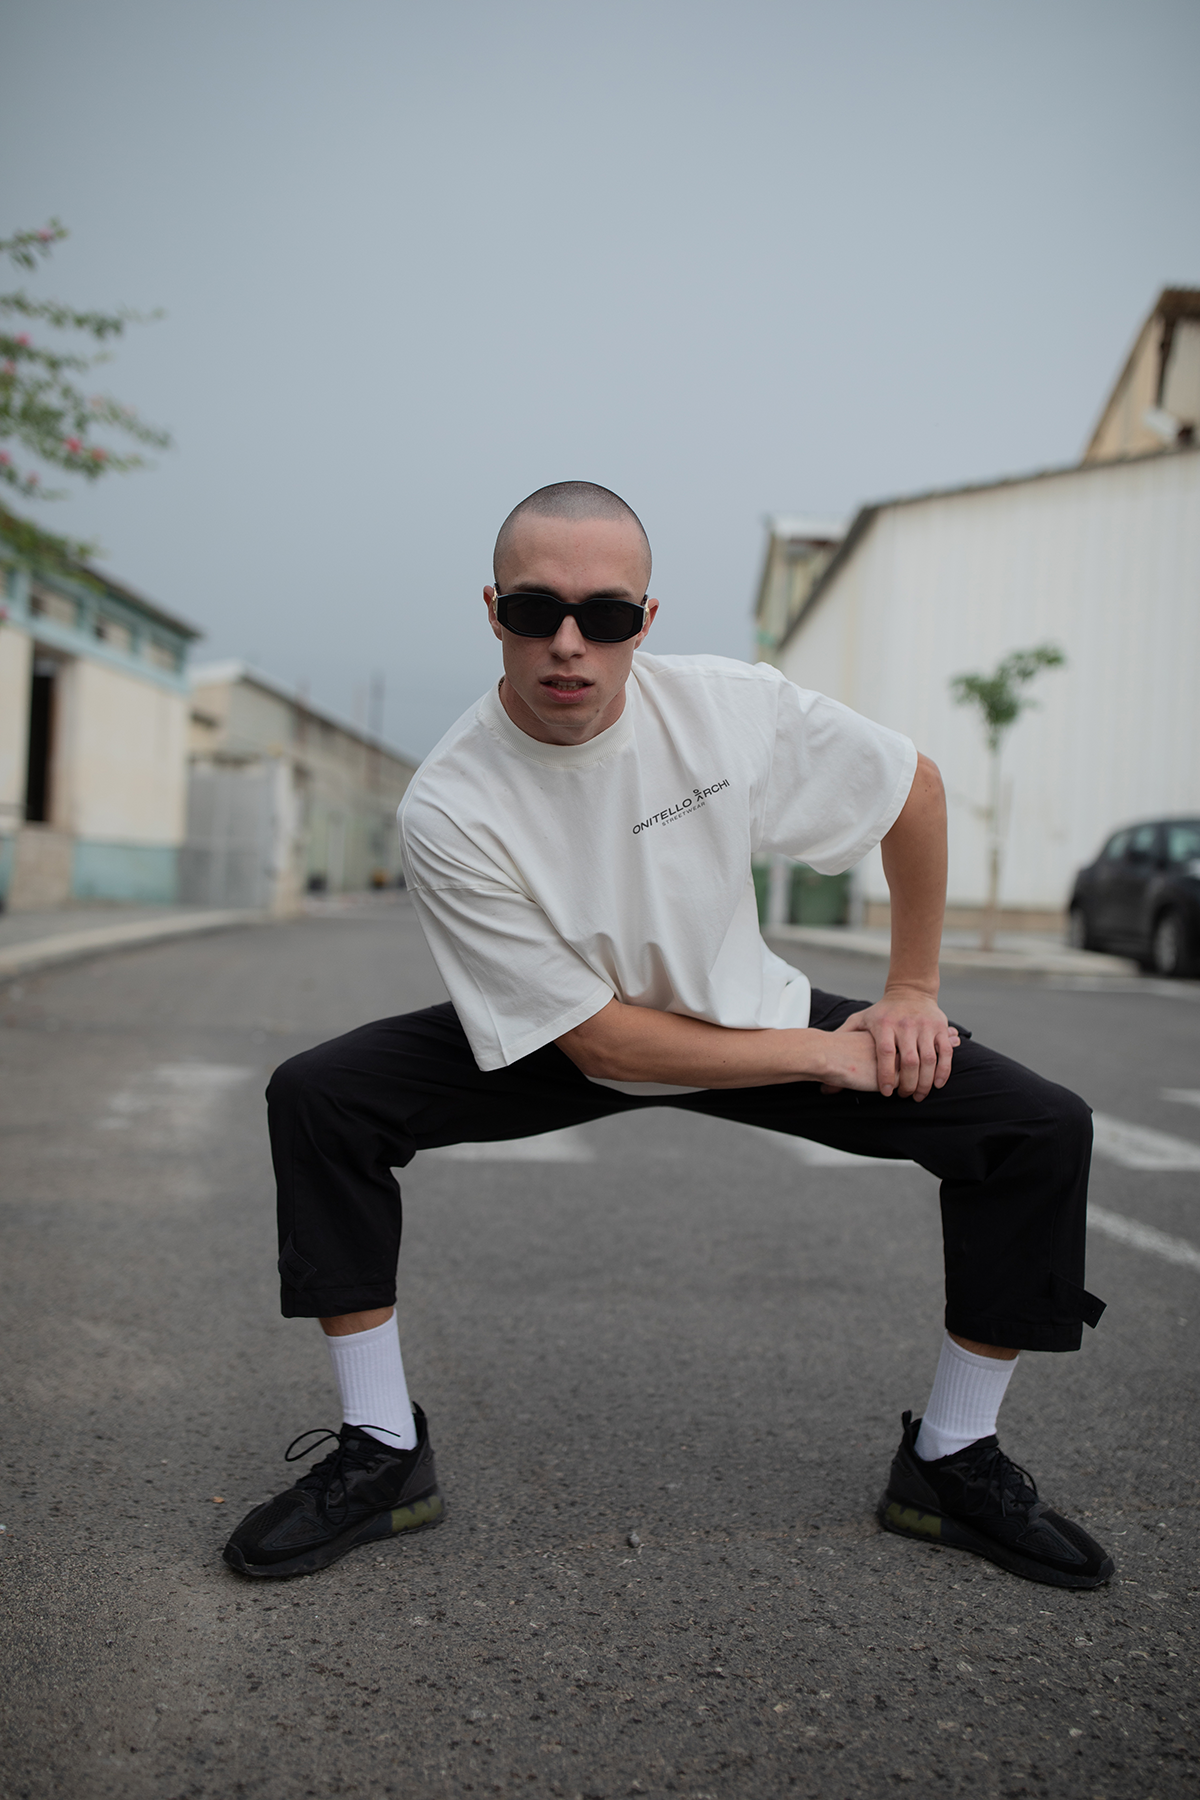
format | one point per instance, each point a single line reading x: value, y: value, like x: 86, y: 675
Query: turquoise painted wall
x: 7, y: 848
x: 146, y: 872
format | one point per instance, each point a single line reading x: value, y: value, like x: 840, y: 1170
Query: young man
x: 578, y: 848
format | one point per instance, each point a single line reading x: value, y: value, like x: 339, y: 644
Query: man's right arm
x: 637, y: 1043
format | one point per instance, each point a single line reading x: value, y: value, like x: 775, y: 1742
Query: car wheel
x: 1079, y: 930
x: 1168, y: 946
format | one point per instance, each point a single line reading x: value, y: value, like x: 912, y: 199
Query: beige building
x: 282, y: 797
x: 798, y: 553
x: 93, y: 725
x: 1156, y: 399
x: 1102, y: 559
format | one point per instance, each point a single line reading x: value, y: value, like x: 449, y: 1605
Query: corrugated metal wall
x: 1105, y: 562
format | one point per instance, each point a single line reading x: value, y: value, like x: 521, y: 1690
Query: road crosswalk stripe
x: 1138, y: 1147
x: 1144, y: 1237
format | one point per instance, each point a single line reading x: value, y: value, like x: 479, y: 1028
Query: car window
x: 1142, y: 843
x: 1183, y: 842
x: 1115, y: 847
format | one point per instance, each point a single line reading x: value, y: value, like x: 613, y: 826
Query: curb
x: 991, y: 962
x: 72, y: 946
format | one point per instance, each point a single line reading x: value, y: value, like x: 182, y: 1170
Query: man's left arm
x: 913, y: 1039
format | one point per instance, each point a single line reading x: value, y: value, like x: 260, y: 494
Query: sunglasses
x: 600, y: 621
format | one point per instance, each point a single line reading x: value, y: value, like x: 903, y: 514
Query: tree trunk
x: 991, y: 912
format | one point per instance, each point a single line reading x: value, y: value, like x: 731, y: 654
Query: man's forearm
x: 637, y: 1043
x: 914, y: 862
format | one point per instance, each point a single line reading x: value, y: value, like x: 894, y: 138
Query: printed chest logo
x: 683, y: 809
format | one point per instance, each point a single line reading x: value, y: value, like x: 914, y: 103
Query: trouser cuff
x: 332, y: 1302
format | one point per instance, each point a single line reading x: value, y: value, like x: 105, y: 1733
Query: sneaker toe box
x: 277, y: 1530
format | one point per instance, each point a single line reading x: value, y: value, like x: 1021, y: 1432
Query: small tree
x: 1001, y: 703
x: 46, y: 413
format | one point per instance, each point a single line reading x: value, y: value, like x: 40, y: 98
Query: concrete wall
x: 123, y: 758
x: 344, y: 788
x: 16, y: 662
x: 1105, y: 562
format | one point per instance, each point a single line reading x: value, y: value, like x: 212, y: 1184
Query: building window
x: 58, y: 608
x: 162, y: 656
x: 116, y: 635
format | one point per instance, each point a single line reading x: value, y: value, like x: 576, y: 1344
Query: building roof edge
x: 233, y: 670
x: 866, y: 514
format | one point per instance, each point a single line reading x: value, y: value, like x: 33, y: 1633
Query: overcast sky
x: 726, y: 258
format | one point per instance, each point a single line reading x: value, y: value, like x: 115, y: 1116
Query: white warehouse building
x: 1102, y: 560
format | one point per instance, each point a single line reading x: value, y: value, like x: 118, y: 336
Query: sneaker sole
x: 940, y: 1528
x: 418, y: 1515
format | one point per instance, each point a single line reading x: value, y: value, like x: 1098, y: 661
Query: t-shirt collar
x: 493, y: 718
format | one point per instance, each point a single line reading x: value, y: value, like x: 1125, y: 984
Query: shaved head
x: 572, y: 501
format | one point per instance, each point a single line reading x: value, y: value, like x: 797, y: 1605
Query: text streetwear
x: 549, y: 878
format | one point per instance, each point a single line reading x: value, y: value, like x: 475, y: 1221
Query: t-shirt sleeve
x: 514, y: 983
x: 836, y: 783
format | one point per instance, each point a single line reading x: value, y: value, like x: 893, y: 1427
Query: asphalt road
x: 674, y: 1330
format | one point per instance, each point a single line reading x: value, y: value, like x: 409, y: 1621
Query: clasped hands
x: 902, y: 1045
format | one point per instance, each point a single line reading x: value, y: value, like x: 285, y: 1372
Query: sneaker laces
x: 329, y: 1473
x: 998, y: 1480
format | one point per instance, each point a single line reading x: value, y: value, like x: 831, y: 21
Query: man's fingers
x: 926, y: 1064
x: 916, y: 1064
x: 885, y: 1058
x: 947, y: 1044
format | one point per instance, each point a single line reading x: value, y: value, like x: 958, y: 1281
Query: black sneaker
x: 361, y: 1492
x: 978, y: 1500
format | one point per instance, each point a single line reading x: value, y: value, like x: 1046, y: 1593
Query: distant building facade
x: 93, y: 731
x: 282, y: 797
x: 798, y: 553
x: 1102, y: 559
x: 1155, y: 401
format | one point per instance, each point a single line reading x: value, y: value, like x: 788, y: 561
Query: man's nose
x: 568, y: 640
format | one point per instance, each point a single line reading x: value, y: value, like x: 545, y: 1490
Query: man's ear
x: 651, y: 609
x: 489, y: 598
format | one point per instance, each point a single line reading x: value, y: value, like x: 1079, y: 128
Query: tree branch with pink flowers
x: 45, y: 413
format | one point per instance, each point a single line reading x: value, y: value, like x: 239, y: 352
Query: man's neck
x: 563, y: 735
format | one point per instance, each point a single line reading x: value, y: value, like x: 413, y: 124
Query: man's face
x: 565, y: 689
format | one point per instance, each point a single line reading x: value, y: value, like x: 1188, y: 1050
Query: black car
x: 1141, y: 897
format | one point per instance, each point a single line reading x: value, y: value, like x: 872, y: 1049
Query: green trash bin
x: 812, y: 899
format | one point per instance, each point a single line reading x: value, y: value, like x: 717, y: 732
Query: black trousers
x: 1012, y: 1152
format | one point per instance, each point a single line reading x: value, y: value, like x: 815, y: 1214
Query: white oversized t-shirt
x: 549, y: 879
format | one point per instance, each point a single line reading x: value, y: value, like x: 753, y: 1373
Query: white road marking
x: 1185, y: 1096
x: 824, y: 1156
x: 1144, y: 1237
x: 1137, y: 1147
x: 567, y: 1146
x: 172, y: 1103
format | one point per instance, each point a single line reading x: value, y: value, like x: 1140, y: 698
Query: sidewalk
x: 1016, y: 952
x: 36, y: 940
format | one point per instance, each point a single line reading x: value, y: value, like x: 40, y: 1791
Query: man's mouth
x: 565, y: 684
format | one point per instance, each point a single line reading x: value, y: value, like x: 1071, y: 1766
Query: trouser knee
x: 1072, y: 1122
x: 296, y: 1084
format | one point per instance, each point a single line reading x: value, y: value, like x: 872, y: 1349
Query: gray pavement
x: 676, y: 1331
x: 62, y: 934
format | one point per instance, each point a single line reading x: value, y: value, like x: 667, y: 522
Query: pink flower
x: 33, y: 480
x: 5, y: 459
x: 99, y: 455
x: 74, y: 445
x: 23, y: 338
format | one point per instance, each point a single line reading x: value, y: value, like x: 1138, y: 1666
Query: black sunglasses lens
x: 529, y: 615
x: 610, y: 621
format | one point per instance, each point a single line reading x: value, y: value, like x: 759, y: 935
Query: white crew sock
x: 370, y: 1375
x: 967, y: 1391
